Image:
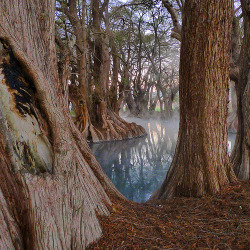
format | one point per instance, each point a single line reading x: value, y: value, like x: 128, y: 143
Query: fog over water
x: 137, y: 167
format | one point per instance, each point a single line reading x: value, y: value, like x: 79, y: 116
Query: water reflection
x: 137, y: 167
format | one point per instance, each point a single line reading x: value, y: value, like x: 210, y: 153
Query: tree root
x: 111, y: 126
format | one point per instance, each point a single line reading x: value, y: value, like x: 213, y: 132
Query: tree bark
x: 53, y: 187
x: 201, y: 163
x: 240, y: 153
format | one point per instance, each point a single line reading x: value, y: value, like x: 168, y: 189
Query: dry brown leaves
x: 210, y: 222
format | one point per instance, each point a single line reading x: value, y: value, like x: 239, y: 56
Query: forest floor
x: 210, y: 222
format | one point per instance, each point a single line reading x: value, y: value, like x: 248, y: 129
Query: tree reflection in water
x: 137, y: 167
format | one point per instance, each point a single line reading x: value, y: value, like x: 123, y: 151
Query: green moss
x: 72, y: 113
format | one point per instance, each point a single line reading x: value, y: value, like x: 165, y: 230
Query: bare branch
x: 104, y: 5
x: 179, y: 4
x: 236, y: 10
x: 176, y: 31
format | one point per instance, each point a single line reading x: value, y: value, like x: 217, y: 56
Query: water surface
x: 137, y: 167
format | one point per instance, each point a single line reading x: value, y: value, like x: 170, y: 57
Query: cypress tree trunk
x: 51, y: 187
x: 201, y: 163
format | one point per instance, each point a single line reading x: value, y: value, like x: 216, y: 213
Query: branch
x: 234, y: 73
x: 104, y: 5
x: 179, y: 4
x: 127, y: 5
x: 237, y: 9
x: 176, y: 31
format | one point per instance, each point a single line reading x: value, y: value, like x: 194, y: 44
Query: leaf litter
x: 211, y: 222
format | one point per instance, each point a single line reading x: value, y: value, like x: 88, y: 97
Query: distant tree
x: 241, y: 150
x: 146, y: 53
x: 52, y: 189
x: 94, y: 96
x: 201, y: 163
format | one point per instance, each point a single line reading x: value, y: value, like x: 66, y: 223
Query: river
x: 137, y: 167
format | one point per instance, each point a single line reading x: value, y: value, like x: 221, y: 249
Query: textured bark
x: 98, y: 55
x: 63, y: 67
x: 78, y: 91
x: 236, y: 42
x: 201, y: 163
x: 240, y: 153
x: 53, y: 187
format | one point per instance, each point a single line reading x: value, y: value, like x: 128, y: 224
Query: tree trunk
x: 91, y: 96
x: 201, y: 163
x: 106, y: 123
x: 232, y: 120
x: 240, y: 153
x: 115, y: 96
x: 129, y: 98
x: 53, y: 187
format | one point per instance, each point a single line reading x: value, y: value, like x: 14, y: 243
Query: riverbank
x: 210, y: 222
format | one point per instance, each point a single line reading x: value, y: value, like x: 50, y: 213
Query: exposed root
x: 111, y: 127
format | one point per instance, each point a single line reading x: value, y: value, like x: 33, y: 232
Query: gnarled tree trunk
x: 53, y: 187
x: 201, y: 163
